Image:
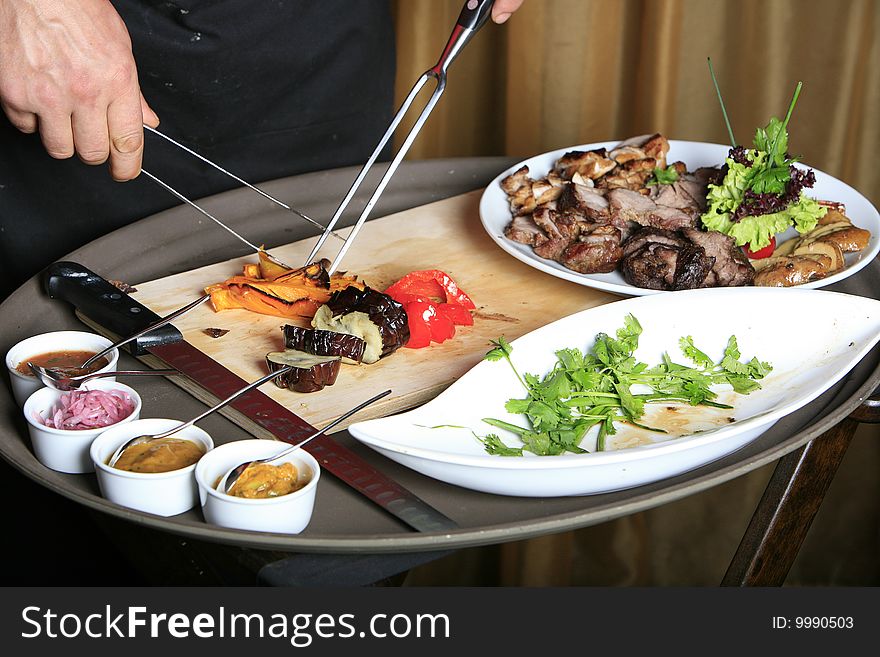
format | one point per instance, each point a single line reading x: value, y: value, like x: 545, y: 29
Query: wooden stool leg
x: 786, y: 511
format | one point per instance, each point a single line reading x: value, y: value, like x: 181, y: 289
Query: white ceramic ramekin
x: 62, y: 449
x: 161, y: 493
x: 23, y: 385
x: 286, y: 514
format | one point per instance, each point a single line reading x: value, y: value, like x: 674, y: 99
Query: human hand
x: 67, y: 71
x: 502, y: 9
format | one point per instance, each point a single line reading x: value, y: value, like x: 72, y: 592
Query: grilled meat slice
x: 656, y: 146
x: 623, y: 154
x: 628, y: 205
x: 683, y: 195
x: 691, y: 268
x: 634, y: 179
x: 590, y: 164
x: 589, y: 201
x: 652, y: 266
x: 543, y: 191
x: 644, y: 236
x: 524, y: 230
x: 732, y: 267
x: 516, y: 180
x: 597, y: 250
x: 661, y: 259
x: 557, y: 234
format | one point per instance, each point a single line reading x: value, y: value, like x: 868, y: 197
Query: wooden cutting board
x: 511, y: 297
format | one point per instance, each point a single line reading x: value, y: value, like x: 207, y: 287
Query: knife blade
x: 110, y: 309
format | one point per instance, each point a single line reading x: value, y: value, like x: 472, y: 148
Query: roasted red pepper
x: 434, y: 306
x: 431, y: 283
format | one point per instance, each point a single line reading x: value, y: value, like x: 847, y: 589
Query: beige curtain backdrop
x: 567, y: 72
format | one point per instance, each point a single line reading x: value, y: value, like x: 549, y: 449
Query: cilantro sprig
x: 595, y: 388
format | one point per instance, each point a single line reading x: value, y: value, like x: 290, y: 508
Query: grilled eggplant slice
x: 369, y: 314
x: 310, y: 373
x: 325, y: 343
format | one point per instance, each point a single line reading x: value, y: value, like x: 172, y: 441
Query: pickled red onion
x: 78, y: 410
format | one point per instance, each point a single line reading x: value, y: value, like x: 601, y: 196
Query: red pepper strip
x: 431, y: 283
x: 426, y: 324
x: 458, y: 314
x: 419, y: 331
x: 406, y: 298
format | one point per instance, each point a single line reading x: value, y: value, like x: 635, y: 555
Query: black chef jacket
x: 265, y: 88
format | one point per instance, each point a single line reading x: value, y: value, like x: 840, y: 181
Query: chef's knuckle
x: 14, y: 97
x: 84, y: 87
x: 93, y: 155
x: 123, y: 73
x: 48, y: 97
x: 129, y: 142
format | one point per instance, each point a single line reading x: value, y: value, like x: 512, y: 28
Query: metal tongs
x: 473, y: 16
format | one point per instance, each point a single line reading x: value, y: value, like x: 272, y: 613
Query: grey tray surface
x: 344, y: 522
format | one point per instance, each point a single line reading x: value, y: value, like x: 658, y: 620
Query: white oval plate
x: 811, y: 337
x: 495, y: 215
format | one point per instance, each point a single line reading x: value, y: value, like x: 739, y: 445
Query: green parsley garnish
x: 595, y: 389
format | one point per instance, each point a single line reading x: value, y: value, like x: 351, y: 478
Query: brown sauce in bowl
x: 162, y: 455
x: 263, y: 480
x: 67, y: 361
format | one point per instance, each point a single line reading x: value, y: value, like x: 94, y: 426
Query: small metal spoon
x: 57, y: 379
x: 161, y: 322
x: 228, y: 480
x: 137, y: 440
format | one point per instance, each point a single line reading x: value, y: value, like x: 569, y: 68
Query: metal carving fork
x: 226, y: 172
x: 473, y: 16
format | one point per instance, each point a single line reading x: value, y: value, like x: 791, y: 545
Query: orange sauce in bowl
x: 161, y: 455
x: 262, y: 480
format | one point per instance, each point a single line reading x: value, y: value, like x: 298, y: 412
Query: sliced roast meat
x: 623, y: 154
x: 590, y: 164
x: 681, y: 195
x: 587, y: 200
x: 543, y: 191
x: 516, y: 180
x: 691, y: 268
x: 643, y: 236
x: 559, y: 232
x: 652, y: 266
x: 670, y: 218
x: 523, y: 229
x: 732, y: 267
x: 628, y: 205
x: 656, y: 146
x: 596, y: 251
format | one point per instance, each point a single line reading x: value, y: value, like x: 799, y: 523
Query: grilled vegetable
x: 324, y: 343
x: 372, y: 316
x: 434, y: 305
x: 270, y: 289
x: 310, y: 373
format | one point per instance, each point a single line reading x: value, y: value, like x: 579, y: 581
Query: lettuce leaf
x: 725, y: 198
x: 757, y: 231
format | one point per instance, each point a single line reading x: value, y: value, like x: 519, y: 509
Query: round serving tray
x: 343, y: 521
